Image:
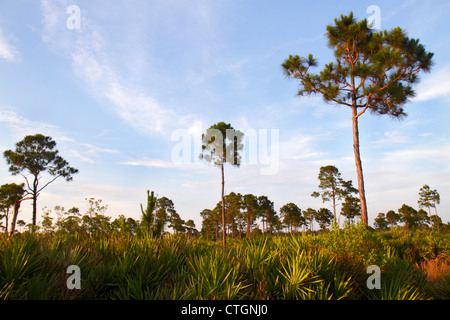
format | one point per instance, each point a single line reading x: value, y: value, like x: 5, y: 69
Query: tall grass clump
x: 215, y: 276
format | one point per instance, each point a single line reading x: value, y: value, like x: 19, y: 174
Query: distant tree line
x: 249, y: 214
x: 235, y: 216
x: 95, y: 222
x: 159, y: 213
x: 412, y: 218
x: 36, y: 155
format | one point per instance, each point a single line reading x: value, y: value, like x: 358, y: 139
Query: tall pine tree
x: 373, y: 71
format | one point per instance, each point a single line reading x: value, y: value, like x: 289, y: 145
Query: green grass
x: 328, y: 266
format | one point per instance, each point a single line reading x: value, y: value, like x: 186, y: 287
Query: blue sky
x: 113, y: 92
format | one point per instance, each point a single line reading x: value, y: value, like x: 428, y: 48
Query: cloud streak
x: 7, y: 51
x: 21, y: 127
x: 87, y: 50
x: 435, y: 86
x: 162, y: 164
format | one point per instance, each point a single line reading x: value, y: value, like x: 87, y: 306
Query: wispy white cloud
x: 156, y: 163
x: 396, y: 176
x: 392, y: 137
x: 233, y: 67
x: 7, y: 51
x: 21, y: 127
x: 410, y: 168
x: 87, y: 50
x: 418, y: 154
x: 299, y: 146
x: 435, y: 86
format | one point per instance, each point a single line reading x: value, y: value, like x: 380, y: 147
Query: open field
x: 333, y: 265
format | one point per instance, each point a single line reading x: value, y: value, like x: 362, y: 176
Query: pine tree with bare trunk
x: 222, y: 144
x: 373, y: 71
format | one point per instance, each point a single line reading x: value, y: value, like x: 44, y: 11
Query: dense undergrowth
x: 333, y: 265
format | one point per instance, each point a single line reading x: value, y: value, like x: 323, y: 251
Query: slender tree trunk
x: 264, y: 224
x: 359, y: 171
x: 35, y: 195
x: 429, y: 212
x: 223, y: 210
x: 34, y: 210
x: 437, y: 218
x: 249, y: 227
x: 334, y: 202
x: 16, y: 213
x: 7, y: 220
x: 240, y: 229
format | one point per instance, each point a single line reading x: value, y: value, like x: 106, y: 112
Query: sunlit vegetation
x: 332, y: 265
